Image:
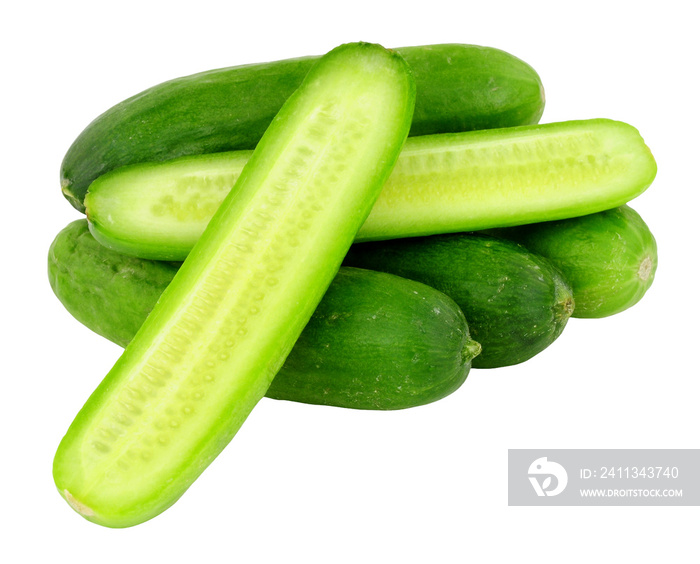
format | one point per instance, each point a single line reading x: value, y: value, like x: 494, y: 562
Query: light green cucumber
x: 214, y: 341
x: 441, y: 184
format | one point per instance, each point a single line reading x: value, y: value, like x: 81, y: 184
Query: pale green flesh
x: 441, y: 184
x: 210, y: 348
x: 510, y: 177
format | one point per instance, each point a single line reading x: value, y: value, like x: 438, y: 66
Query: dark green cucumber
x: 376, y: 341
x: 516, y: 303
x: 214, y: 341
x: 441, y: 184
x: 86, y: 279
x: 459, y: 88
x: 608, y: 257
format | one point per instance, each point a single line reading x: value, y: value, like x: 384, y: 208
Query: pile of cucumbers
x: 486, y: 233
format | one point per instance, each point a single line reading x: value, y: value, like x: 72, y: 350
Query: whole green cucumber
x: 376, y: 341
x: 441, y: 184
x: 214, y: 341
x: 516, y: 302
x: 459, y: 88
x: 609, y: 258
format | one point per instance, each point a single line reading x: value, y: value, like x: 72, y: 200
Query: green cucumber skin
x: 516, y: 303
x: 85, y: 278
x: 441, y: 184
x: 376, y: 341
x: 610, y: 257
x: 212, y: 344
x: 459, y: 88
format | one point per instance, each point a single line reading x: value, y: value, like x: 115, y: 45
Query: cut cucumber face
x: 514, y: 176
x: 459, y: 88
x: 211, y: 346
x: 186, y: 194
x: 376, y: 341
x: 441, y: 184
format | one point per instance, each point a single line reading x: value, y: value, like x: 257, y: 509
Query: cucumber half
x: 212, y: 344
x: 441, y: 184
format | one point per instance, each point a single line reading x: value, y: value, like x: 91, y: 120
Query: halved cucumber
x: 213, y: 343
x: 441, y: 184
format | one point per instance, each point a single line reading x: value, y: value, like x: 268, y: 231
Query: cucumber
x: 459, y: 88
x: 376, y: 341
x: 211, y: 346
x: 441, y: 184
x: 516, y: 302
x: 87, y: 277
x: 608, y: 257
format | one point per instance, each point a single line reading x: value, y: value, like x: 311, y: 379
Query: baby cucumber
x: 108, y: 292
x: 459, y: 88
x: 608, y: 257
x: 376, y: 341
x: 210, y: 348
x: 441, y: 184
x: 516, y: 302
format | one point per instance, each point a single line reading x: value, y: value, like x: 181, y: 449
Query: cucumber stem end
x: 471, y: 349
x: 75, y: 202
x: 645, y: 268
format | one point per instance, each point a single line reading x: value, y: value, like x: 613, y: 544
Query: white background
x: 303, y: 483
